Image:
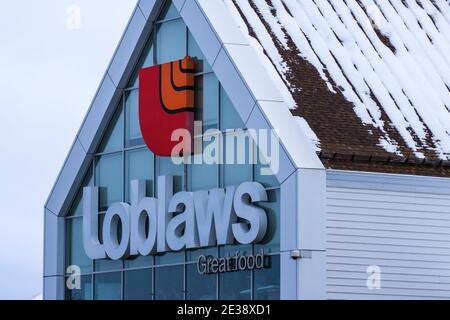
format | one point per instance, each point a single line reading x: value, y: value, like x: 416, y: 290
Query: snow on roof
x: 365, y: 76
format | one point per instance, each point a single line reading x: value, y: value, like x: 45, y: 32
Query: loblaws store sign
x: 171, y: 222
x: 185, y: 220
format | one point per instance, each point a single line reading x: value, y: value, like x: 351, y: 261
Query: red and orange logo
x: 166, y: 103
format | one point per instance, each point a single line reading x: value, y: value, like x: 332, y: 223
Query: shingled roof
x: 369, y: 80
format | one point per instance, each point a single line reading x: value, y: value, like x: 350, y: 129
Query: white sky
x: 48, y: 77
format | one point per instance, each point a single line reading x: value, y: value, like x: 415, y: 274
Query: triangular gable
x: 243, y: 77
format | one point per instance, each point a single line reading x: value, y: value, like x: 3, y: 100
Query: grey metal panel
x: 53, y: 288
x: 179, y: 4
x: 219, y: 17
x: 291, y: 134
x: 311, y: 195
x: 201, y: 30
x: 129, y: 49
x: 101, y: 110
x: 253, y: 72
x: 312, y: 281
x: 71, y: 174
x: 392, y: 182
x: 147, y: 8
x: 288, y: 277
x: 399, y: 223
x: 257, y: 121
x: 289, y: 212
x: 233, y: 85
x: 53, y: 244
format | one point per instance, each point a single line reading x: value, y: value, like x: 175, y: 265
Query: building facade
x: 333, y: 226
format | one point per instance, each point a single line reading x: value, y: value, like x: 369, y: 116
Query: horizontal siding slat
x: 388, y: 234
x: 357, y: 268
x: 385, y: 240
x: 413, y: 257
x: 386, y: 219
x: 431, y: 294
x: 388, y: 226
x: 385, y: 276
x: 387, y: 248
x: 441, y: 288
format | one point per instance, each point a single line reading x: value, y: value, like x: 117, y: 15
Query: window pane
x: 168, y: 12
x: 105, y: 264
x: 113, y: 139
x: 271, y: 242
x: 204, y: 176
x: 238, y: 158
x: 201, y: 65
x: 139, y: 261
x: 140, y: 165
x: 169, y: 283
x: 229, y: 118
x: 83, y: 293
x: 171, y: 41
x: 109, y: 179
x: 192, y: 255
x: 167, y: 167
x: 207, y: 100
x: 133, y: 129
x: 107, y: 286
x: 267, y: 281
x: 138, y: 284
x: 200, y: 286
x: 75, y: 254
x: 235, y: 285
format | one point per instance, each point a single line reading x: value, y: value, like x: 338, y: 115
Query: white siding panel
x: 399, y: 223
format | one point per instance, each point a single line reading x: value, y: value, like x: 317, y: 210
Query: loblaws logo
x: 166, y: 103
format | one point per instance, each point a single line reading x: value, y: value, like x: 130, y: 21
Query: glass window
x: 139, y: 261
x: 201, y: 65
x: 207, y: 100
x: 113, y: 138
x: 138, y: 285
x: 106, y: 264
x: 171, y: 41
x: 235, y: 285
x: 168, y: 12
x: 205, y: 175
x: 84, y: 292
x: 192, y: 255
x: 271, y: 242
x: 200, y: 286
x: 75, y: 254
x: 140, y: 165
x: 169, y: 283
x: 133, y: 130
x: 238, y: 158
x: 107, y: 286
x: 108, y: 176
x: 229, y: 118
x: 167, y: 167
x: 267, y: 281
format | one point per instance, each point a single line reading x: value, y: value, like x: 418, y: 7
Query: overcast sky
x: 49, y: 72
